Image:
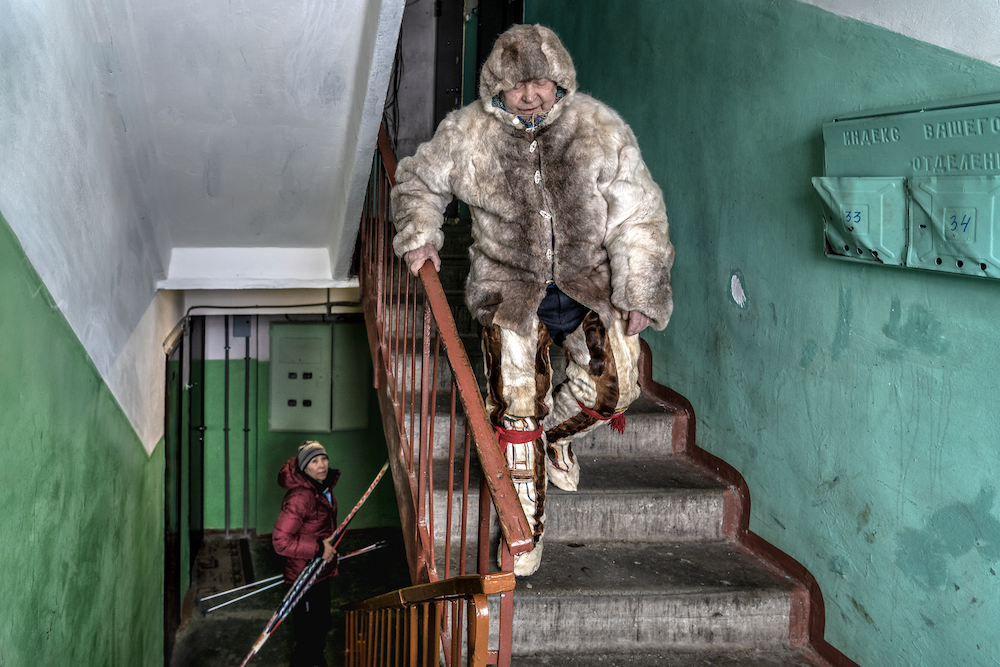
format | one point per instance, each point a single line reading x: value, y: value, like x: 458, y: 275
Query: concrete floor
x: 224, y: 637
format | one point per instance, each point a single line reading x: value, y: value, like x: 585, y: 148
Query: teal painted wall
x: 81, y: 531
x: 358, y: 454
x: 860, y: 403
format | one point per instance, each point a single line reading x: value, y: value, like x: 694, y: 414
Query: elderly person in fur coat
x: 570, y: 245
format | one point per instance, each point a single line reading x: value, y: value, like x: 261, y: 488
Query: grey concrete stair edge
x: 695, y: 657
x: 646, y: 435
x: 679, y: 515
x: 583, y: 623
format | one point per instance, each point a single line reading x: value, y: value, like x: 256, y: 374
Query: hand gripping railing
x: 433, y: 412
x: 404, y: 627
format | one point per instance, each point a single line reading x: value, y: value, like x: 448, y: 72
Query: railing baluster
x: 398, y: 308
x: 451, y: 489
x: 483, y: 563
x: 466, y: 473
x: 424, y: 489
x: 414, y: 634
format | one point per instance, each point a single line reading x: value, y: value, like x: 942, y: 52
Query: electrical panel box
x: 320, y: 376
x: 351, y: 376
x: 301, y: 376
x: 915, y: 187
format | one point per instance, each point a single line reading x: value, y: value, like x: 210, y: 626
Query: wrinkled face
x: 530, y: 97
x: 318, y: 467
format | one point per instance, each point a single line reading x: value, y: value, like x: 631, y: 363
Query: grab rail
x: 431, y: 405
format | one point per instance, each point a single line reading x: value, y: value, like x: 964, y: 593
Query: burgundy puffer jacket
x: 306, y: 517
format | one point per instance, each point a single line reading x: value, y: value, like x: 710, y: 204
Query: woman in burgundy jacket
x: 302, y: 532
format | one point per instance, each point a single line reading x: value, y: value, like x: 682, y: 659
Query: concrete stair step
x: 688, y: 658
x: 641, y: 500
x: 610, y: 596
x: 647, y: 434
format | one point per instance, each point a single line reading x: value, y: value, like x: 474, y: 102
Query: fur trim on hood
x: 523, y: 53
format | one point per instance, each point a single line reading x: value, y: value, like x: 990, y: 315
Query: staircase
x: 637, y: 568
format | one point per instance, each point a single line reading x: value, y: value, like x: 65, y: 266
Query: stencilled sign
x: 960, y: 140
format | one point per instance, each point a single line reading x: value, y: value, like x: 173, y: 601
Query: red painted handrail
x: 409, y: 321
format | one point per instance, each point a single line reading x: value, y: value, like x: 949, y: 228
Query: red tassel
x: 618, y: 422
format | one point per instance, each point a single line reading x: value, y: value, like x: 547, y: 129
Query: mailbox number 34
x: 954, y: 222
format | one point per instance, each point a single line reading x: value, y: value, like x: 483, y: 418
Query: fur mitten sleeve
x: 637, y: 238
x: 423, y: 190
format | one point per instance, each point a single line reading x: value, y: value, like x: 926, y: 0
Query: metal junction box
x: 320, y: 377
x: 915, y: 187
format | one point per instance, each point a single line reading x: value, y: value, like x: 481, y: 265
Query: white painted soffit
x: 250, y: 268
x: 382, y: 26
x: 969, y: 27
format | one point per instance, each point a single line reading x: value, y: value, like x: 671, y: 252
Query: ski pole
x: 363, y: 550
x: 240, y: 588
x: 243, y: 597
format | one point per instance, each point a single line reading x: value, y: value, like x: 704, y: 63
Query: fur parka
x: 570, y: 203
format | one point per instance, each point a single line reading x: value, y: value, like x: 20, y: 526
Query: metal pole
x: 225, y: 428
x: 241, y: 588
x: 243, y: 597
x: 246, y: 440
x: 363, y: 550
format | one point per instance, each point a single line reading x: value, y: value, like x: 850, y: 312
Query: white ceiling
x: 153, y: 145
x: 254, y: 124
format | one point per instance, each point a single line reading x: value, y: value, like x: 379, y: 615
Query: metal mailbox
x: 865, y: 218
x: 915, y: 187
x: 953, y: 223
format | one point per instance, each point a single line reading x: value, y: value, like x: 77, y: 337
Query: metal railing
x: 434, y: 419
x: 405, y: 627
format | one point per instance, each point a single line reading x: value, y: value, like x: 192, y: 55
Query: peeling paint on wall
x: 930, y: 554
x: 921, y: 332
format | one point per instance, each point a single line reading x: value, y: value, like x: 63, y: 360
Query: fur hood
x: 523, y: 53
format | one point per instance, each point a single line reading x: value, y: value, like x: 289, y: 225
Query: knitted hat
x: 309, y: 450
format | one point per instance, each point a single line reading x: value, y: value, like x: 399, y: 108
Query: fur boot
x: 561, y: 467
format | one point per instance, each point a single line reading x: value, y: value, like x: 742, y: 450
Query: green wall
x: 215, y: 506
x: 860, y: 403
x: 358, y: 454
x: 81, y: 531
